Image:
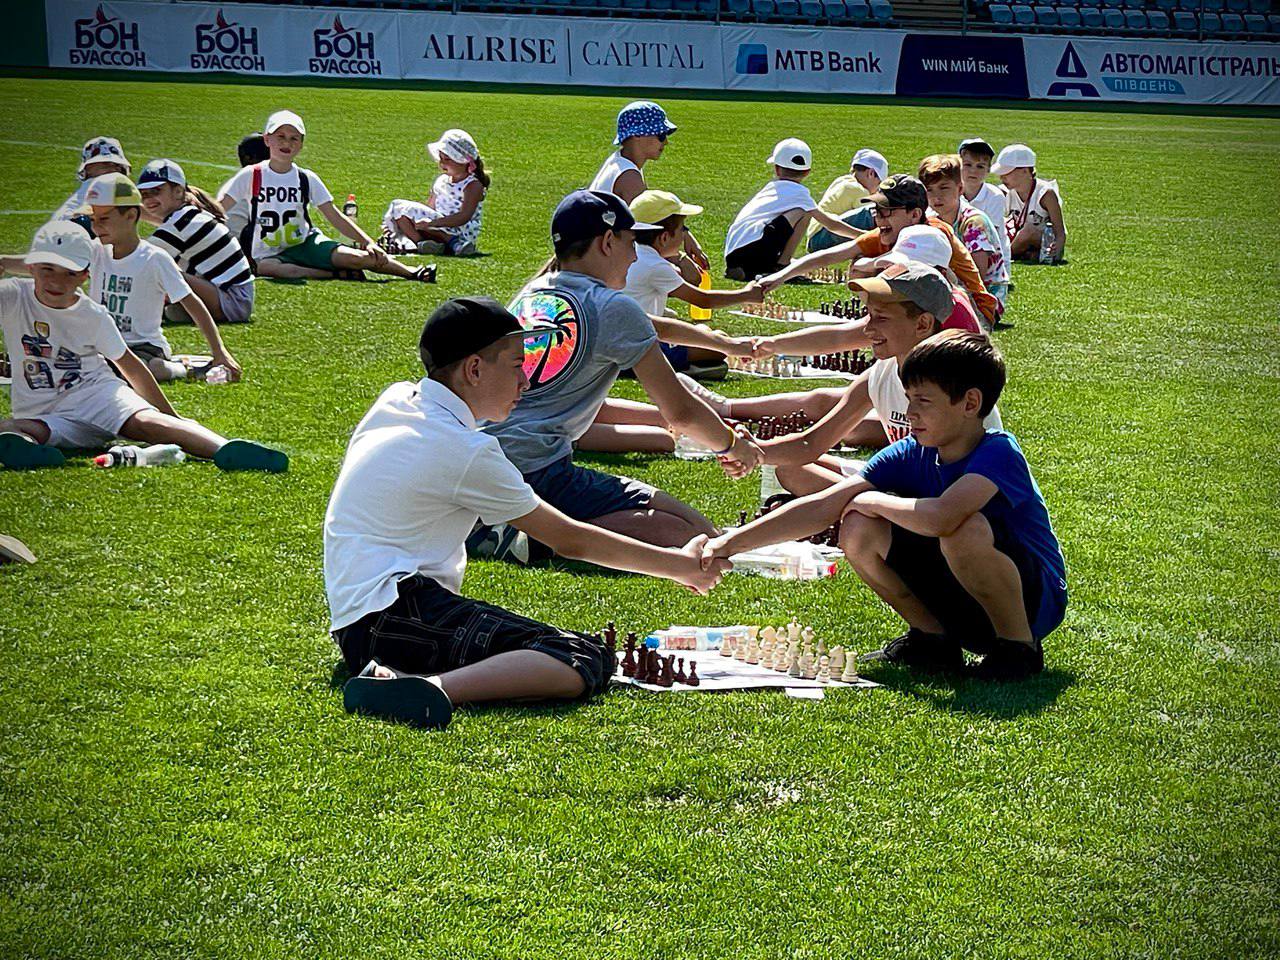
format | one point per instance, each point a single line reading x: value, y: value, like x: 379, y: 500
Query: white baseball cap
x: 158, y: 172
x: 283, y: 118
x: 102, y: 150
x: 871, y: 159
x: 455, y: 144
x: 1013, y: 156
x: 791, y: 153
x: 61, y: 243
x: 921, y: 243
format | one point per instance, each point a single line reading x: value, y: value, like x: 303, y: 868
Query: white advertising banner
x: 810, y: 60
x: 445, y: 46
x: 1156, y: 71
x: 634, y: 53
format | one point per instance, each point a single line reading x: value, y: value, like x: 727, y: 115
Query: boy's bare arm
x: 799, y: 518
x: 929, y: 516
x: 827, y: 338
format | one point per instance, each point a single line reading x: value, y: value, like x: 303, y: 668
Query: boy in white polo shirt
x: 766, y: 231
x: 282, y: 240
x: 64, y: 393
x: 416, y: 477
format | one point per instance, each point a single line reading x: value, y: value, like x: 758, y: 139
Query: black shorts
x: 919, y: 562
x: 763, y: 256
x: 431, y: 630
x: 584, y: 494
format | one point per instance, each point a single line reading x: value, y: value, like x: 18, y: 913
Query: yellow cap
x: 112, y: 190
x: 654, y: 206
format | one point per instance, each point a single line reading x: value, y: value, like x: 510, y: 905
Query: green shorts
x: 314, y: 252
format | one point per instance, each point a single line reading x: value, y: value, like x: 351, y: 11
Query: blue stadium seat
x: 634, y: 4
x: 1273, y: 23
x: 857, y: 10
x: 1255, y: 23
x: 811, y: 10
x: 1023, y: 15
x: 1046, y: 16
x: 1215, y: 6
x: 1191, y: 6
x: 1158, y: 20
x: 882, y: 11
x: 1168, y: 6
x: 1184, y: 21
x: 1211, y: 23
x: 738, y: 9
x: 1092, y: 18
x: 764, y: 9
x: 1238, y: 6
x: 1232, y: 23
x: 1135, y: 4
x: 1112, y: 4
x: 834, y: 10
x: 1001, y: 15
x: 1113, y: 19
x: 1260, y: 6
x: 788, y: 9
x: 1135, y: 20
x: 684, y: 6
x: 1069, y: 17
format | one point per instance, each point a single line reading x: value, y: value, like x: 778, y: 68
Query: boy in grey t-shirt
x: 599, y: 332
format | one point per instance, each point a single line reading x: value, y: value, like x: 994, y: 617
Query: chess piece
x: 837, y: 660
x: 808, y: 669
x: 793, y: 630
x: 681, y: 676
x: 740, y: 648
x: 693, y: 679
x: 629, y: 664
x: 742, y: 518
x: 610, y: 632
x: 781, y: 658
x: 793, y: 668
x: 821, y: 647
x: 727, y: 645
x: 824, y: 669
x: 807, y: 635
x: 667, y: 673
x: 753, y: 652
x: 654, y: 671
x: 850, y: 674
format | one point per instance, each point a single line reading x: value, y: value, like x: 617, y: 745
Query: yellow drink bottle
x: 698, y: 314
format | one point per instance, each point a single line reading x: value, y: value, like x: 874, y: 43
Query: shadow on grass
x: 999, y: 701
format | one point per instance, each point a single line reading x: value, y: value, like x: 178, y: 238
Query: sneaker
x: 430, y: 248
x: 929, y: 652
x: 406, y: 697
x: 425, y: 273
x: 708, y: 396
x: 503, y: 542
x: 19, y: 452
x: 467, y: 249
x: 247, y: 455
x: 13, y: 550
x: 1010, y: 660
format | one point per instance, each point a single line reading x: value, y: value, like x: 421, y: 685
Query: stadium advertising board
x: 277, y: 40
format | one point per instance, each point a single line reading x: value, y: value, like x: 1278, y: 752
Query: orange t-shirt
x: 870, y: 245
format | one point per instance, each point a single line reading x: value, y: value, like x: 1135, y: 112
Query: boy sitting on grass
x: 844, y: 197
x: 975, y: 166
x: 1032, y: 206
x: 65, y: 395
x: 282, y: 240
x: 764, y: 235
x: 399, y: 515
x: 947, y: 526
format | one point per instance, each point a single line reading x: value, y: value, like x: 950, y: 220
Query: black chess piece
x: 629, y: 664
x: 680, y: 675
x: 666, y: 672
x: 742, y: 518
x: 693, y: 679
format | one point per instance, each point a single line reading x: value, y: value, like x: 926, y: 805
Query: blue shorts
x: 919, y: 562
x: 584, y: 494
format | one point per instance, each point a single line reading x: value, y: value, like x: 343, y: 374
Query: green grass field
x: 178, y: 779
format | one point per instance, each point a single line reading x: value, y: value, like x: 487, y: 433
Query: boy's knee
x: 863, y: 537
x: 971, y: 537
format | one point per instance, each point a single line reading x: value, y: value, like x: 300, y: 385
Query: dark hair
x: 573, y: 249
x: 649, y: 237
x: 915, y: 312
x: 979, y: 150
x: 252, y: 149
x: 957, y: 361
x: 480, y: 174
x: 489, y: 353
x: 201, y: 200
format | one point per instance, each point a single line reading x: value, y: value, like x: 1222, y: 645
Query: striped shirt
x: 203, y: 245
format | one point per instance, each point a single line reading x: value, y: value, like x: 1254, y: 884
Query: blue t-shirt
x: 909, y: 470
x: 600, y: 332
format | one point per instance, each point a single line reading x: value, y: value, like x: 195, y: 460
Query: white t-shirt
x: 610, y: 171
x: 1018, y: 214
x: 54, y: 351
x: 991, y: 201
x: 134, y: 288
x: 775, y: 197
x: 890, y: 401
x: 283, y: 219
x: 72, y: 205
x: 651, y: 279
x: 416, y: 476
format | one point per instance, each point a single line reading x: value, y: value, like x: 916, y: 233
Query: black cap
x: 900, y: 191
x: 587, y: 214
x: 466, y: 325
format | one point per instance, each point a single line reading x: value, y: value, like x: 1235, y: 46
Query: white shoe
x: 716, y: 402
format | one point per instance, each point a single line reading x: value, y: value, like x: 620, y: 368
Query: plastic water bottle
x: 218, y: 374
x: 350, y: 208
x: 1047, y: 238
x: 689, y: 449
x: 157, y: 455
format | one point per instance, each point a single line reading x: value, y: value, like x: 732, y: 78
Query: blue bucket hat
x: 642, y: 118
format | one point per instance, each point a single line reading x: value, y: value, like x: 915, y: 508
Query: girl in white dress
x: 450, y: 222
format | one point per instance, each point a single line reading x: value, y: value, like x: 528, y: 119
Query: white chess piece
x: 793, y: 630
x: 727, y: 644
x: 808, y: 669
x: 837, y: 660
x: 793, y: 668
x: 824, y: 669
x: 753, y: 652
x: 850, y: 674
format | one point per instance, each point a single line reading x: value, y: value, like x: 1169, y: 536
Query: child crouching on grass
x: 65, y: 394
x: 450, y: 223
x: 947, y: 526
x: 280, y: 236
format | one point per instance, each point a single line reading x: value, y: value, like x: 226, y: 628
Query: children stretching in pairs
x: 191, y: 229
x: 765, y: 233
x: 844, y: 198
x: 642, y: 133
x: 947, y: 526
x: 450, y: 222
x: 98, y: 156
x: 394, y: 530
x: 1032, y: 207
x: 280, y: 236
x: 132, y: 278
x: 65, y: 395
x: 940, y: 175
